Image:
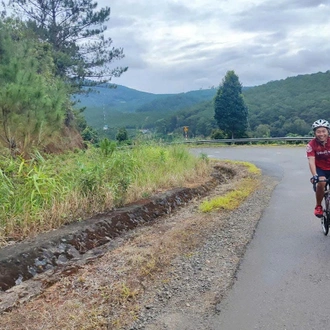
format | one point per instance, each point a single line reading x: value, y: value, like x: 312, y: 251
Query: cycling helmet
x: 320, y: 123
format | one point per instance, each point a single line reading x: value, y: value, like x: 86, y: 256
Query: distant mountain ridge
x: 277, y: 108
x: 178, y: 101
x: 105, y: 102
x: 120, y: 98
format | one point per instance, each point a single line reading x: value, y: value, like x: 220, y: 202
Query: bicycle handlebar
x: 324, y: 180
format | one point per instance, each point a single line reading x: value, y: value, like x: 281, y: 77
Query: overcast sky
x: 174, y: 46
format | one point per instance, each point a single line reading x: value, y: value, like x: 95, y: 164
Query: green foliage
x: 33, y: 102
x: 107, y: 147
x: 89, y: 179
x: 75, y: 29
x: 280, y: 107
x: 47, y: 192
x: 204, y: 157
x: 90, y: 134
x: 230, y: 111
x: 27, y: 187
x: 290, y: 105
x: 133, y: 109
x: 122, y: 135
x: 119, y: 188
x: 7, y: 192
x: 218, y: 134
x: 232, y: 199
x: 261, y: 130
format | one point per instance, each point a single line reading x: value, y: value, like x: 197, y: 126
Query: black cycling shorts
x: 321, y: 172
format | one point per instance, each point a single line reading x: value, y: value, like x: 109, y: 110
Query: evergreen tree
x: 230, y: 110
x: 122, y: 135
x: 33, y: 101
x: 76, y: 32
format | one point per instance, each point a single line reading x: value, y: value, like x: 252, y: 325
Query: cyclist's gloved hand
x: 315, y: 179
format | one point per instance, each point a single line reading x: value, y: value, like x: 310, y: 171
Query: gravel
x: 196, y: 283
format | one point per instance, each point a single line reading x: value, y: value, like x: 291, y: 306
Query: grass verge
x: 42, y: 194
x: 234, y: 198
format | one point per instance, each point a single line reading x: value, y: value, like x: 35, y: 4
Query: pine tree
x: 75, y: 29
x: 230, y: 110
x: 33, y: 101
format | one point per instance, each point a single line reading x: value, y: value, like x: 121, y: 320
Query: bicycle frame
x: 325, y: 220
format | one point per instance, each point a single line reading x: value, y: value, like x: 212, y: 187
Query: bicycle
x: 325, y: 219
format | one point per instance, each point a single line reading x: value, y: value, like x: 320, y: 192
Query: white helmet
x: 320, y: 123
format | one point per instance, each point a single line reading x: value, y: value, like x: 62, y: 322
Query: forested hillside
x: 277, y: 108
x: 289, y: 105
x: 177, y: 101
x: 126, y: 107
x: 120, y: 98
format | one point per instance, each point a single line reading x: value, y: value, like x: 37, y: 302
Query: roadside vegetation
x: 112, y: 291
x: 232, y: 199
x: 45, y: 192
x: 54, y: 169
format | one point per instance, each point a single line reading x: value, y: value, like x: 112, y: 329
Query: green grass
x: 234, y: 198
x: 44, y: 193
x: 250, y: 167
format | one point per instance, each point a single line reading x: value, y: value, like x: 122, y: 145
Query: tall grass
x: 44, y: 193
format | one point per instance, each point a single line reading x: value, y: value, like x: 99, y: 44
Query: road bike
x: 325, y: 219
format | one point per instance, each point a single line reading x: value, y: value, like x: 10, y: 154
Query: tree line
x: 286, y: 107
x: 279, y: 108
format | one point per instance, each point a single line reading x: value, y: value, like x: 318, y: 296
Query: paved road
x: 284, y: 279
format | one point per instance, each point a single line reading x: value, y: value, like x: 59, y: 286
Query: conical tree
x: 230, y: 111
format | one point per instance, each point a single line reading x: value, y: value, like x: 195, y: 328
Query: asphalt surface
x: 284, y: 279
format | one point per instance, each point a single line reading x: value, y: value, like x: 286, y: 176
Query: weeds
x: 234, y: 198
x: 46, y: 192
x: 127, y: 293
x: 204, y: 157
x: 251, y: 167
x: 231, y: 200
x: 107, y: 147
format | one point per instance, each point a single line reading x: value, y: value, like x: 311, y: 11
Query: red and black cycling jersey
x: 321, y: 152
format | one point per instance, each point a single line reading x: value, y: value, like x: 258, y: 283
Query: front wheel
x: 325, y: 222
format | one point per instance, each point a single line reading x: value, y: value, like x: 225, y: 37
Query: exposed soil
x: 175, y: 261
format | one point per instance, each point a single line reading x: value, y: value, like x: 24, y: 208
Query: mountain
x: 121, y: 98
x: 126, y: 107
x: 290, y: 105
x: 277, y: 108
x: 179, y: 101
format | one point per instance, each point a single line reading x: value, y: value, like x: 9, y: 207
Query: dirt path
x: 168, y: 275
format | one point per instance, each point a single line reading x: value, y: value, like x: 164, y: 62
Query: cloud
x: 173, y: 46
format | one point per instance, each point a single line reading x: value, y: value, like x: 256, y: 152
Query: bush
x: 218, y: 134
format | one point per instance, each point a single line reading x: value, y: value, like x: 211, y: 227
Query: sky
x: 174, y: 46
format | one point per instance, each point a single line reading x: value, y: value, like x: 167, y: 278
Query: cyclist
x: 318, y: 154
